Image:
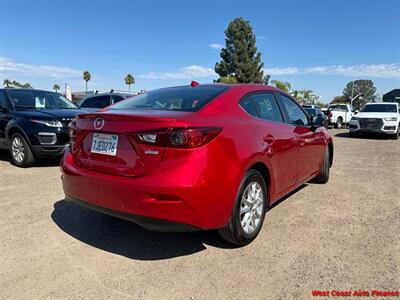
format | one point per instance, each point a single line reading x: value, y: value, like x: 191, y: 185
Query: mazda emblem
x: 98, y: 123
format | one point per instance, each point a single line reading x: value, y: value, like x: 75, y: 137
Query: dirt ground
x: 344, y: 235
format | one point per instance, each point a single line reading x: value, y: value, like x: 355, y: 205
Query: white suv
x: 377, y: 117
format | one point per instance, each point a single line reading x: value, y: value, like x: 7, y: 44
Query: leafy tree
x: 284, y: 86
x: 56, y: 87
x: 340, y: 99
x: 240, y: 58
x: 357, y: 87
x: 129, y: 79
x: 86, y: 77
x: 227, y: 79
x: 16, y: 84
x: 7, y: 83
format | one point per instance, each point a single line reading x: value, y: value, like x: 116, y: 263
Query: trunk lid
x: 131, y: 158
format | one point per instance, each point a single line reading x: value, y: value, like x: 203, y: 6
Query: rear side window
x: 116, y: 99
x: 267, y: 107
x: 248, y: 105
x: 96, y: 102
x: 177, y: 98
x: 3, y: 100
x: 295, y: 113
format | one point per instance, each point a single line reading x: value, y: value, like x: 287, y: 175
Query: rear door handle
x: 269, y: 139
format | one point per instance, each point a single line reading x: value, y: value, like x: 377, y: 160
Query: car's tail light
x: 179, y: 137
x: 73, y: 131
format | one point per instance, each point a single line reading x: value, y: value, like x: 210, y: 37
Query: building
x: 392, y: 96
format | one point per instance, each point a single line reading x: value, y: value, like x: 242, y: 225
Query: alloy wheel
x: 251, y: 207
x: 17, y: 149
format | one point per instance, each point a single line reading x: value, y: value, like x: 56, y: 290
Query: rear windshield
x: 177, y: 98
x: 388, y: 108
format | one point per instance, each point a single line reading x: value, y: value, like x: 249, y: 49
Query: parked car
x: 34, y: 124
x: 340, y: 114
x: 377, y: 117
x: 95, y: 102
x: 195, y: 157
x: 316, y: 111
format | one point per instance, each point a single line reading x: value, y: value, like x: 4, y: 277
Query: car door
x: 311, y: 144
x: 277, y: 138
x: 5, y: 116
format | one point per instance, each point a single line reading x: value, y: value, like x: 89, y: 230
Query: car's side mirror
x: 317, y: 121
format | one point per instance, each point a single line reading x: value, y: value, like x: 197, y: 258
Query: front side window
x: 39, y: 100
x: 296, y: 115
x: 185, y: 98
x: 116, y: 99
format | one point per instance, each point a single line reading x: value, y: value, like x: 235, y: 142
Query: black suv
x: 34, y: 124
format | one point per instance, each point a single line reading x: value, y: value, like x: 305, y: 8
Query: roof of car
x: 26, y: 90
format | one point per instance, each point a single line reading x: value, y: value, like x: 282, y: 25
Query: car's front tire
x: 396, y: 135
x: 21, y: 154
x: 249, y: 211
x: 339, y: 123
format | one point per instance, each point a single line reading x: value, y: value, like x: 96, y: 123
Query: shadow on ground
x: 130, y: 240
x: 48, y: 162
x: 370, y: 136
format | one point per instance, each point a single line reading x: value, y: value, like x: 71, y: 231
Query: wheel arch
x: 266, y: 174
x: 16, y: 129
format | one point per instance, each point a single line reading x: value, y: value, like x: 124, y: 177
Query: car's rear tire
x: 21, y: 154
x: 339, y: 123
x: 249, y: 211
x: 323, y: 176
x: 353, y: 134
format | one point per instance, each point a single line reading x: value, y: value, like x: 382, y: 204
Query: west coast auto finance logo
x: 355, y: 293
x: 98, y: 123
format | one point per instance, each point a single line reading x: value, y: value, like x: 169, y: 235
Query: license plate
x: 105, y: 144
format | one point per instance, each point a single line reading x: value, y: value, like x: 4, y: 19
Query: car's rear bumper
x: 146, y: 222
x: 169, y: 195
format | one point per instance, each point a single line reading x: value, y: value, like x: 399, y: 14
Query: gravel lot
x: 342, y: 235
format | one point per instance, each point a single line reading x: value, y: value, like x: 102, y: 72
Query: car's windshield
x: 25, y: 99
x: 385, y: 108
x: 177, y: 98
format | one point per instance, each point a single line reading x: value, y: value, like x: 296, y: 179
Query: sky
x: 313, y: 44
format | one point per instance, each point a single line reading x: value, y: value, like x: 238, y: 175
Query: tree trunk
x: 129, y: 88
x: 86, y: 87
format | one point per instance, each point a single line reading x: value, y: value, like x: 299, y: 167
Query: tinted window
x: 311, y: 111
x: 96, y: 102
x: 39, y: 100
x: 388, y: 108
x: 3, y: 100
x: 116, y: 98
x: 266, y: 107
x: 295, y: 114
x: 177, y: 98
x: 248, y: 106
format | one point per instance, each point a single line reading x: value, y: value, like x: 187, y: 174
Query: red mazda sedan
x: 196, y: 157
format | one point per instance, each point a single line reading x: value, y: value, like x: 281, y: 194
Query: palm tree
x: 6, y: 83
x: 16, y: 84
x: 86, y: 77
x: 284, y: 86
x: 129, y: 79
x: 26, y: 86
x: 56, y: 87
x: 307, y: 94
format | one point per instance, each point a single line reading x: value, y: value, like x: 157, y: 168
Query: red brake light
x: 179, y: 137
